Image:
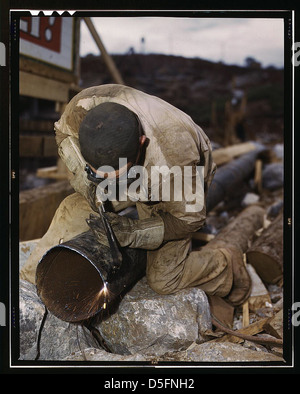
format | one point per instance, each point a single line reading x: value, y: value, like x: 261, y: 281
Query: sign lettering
x: 45, y: 31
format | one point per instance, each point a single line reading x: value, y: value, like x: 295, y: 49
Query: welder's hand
x: 143, y: 234
x: 91, y: 196
x: 95, y: 224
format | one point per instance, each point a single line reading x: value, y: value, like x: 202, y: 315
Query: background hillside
x: 196, y: 86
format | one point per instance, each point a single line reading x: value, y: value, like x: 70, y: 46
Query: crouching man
x: 104, y: 134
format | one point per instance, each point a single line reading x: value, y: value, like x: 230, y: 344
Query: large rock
x: 220, y: 352
x: 273, y: 176
x: 205, y: 352
x: 92, y: 354
x: 59, y: 339
x: 149, y: 323
x: 145, y: 323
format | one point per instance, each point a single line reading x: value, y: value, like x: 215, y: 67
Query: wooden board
x: 37, y: 207
x: 44, y: 88
x: 266, y: 253
x: 224, y: 155
x: 37, y: 146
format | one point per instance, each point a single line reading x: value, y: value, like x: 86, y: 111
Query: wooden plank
x: 224, y: 155
x: 106, y: 57
x: 37, y: 146
x: 36, y: 125
x: 245, y: 314
x: 258, y: 176
x: 252, y: 329
x: 44, y: 88
x: 204, y: 237
x: 37, y: 207
x: 239, y: 231
x: 31, y: 146
x: 266, y: 252
x: 274, y: 326
x: 51, y: 173
x: 42, y: 69
x: 259, y: 297
x: 49, y: 146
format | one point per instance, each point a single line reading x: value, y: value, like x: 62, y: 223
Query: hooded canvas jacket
x: 173, y: 140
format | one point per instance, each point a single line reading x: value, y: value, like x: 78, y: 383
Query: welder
x: 104, y: 124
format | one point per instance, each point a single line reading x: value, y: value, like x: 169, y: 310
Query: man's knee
x: 161, y: 284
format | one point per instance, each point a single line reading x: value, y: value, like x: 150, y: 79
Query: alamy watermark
x: 2, y: 54
x: 296, y: 316
x: 2, y: 314
x: 296, y: 54
x: 157, y: 183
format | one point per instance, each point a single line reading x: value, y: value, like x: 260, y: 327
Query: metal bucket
x: 75, y: 280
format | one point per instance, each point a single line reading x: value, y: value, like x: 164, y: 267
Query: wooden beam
x: 266, y: 253
x: 37, y: 207
x: 225, y: 155
x: 42, y: 69
x: 239, y: 231
x: 30, y: 146
x: 259, y: 296
x: 106, y: 57
x: 37, y: 146
x: 51, y: 173
x: 36, y: 125
x: 44, y: 88
x: 252, y: 329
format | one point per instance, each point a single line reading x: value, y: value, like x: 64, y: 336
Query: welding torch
x: 113, y: 244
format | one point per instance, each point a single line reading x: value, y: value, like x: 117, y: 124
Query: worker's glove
x: 91, y: 196
x: 144, y: 234
x: 95, y: 224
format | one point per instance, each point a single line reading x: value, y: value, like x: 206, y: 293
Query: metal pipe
x: 75, y: 280
x: 228, y: 177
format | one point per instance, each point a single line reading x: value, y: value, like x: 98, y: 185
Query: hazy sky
x: 228, y: 39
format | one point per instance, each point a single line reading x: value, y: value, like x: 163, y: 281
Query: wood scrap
x: 259, y: 297
x: 266, y: 253
x: 51, y: 173
x: 225, y: 155
x: 258, y: 176
x: 246, y: 333
x: 242, y: 228
x: 221, y: 309
x: 201, y: 236
x: 37, y: 207
x: 106, y: 57
x: 274, y: 326
x: 246, y: 314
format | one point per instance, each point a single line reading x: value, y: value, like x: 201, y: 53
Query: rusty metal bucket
x: 75, y: 280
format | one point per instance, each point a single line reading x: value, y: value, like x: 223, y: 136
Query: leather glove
x: 143, y: 234
x: 95, y: 224
x: 91, y: 196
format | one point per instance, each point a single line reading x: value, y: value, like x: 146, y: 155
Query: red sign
x: 45, y: 32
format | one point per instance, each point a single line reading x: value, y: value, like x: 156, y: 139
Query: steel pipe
x: 228, y: 177
x: 75, y: 279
